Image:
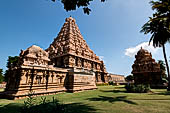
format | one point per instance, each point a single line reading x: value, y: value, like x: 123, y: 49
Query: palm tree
x: 159, y: 28
x: 163, y: 69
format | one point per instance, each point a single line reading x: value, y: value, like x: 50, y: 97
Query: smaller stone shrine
x: 146, y: 70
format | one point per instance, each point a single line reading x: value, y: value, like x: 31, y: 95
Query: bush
x: 141, y: 88
x: 111, y: 83
x: 130, y: 88
x: 43, y: 106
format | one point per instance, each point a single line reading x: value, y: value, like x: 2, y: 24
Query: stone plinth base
x: 73, y: 81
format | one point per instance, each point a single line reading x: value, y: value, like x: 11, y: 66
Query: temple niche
x: 146, y: 70
x: 68, y: 64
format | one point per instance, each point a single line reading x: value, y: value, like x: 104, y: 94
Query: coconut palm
x: 163, y: 69
x: 159, y: 27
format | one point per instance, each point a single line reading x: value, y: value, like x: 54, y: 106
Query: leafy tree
x: 11, y: 62
x: 129, y: 78
x: 1, y: 76
x: 73, y: 4
x: 159, y: 27
x: 6, y: 75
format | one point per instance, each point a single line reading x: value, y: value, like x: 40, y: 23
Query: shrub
x: 130, y: 88
x: 43, y: 106
x: 111, y: 83
x: 147, y: 88
x: 141, y: 88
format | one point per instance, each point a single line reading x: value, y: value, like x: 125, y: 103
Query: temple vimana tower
x: 68, y: 64
x: 146, y: 70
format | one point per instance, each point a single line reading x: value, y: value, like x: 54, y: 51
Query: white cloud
x: 132, y: 51
x: 102, y: 58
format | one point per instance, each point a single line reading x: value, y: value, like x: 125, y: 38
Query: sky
x: 112, y: 30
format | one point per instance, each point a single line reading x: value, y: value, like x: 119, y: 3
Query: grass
x: 1, y: 89
x: 106, y: 99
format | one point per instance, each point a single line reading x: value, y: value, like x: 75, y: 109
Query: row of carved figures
x: 42, y: 77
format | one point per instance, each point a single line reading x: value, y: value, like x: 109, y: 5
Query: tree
x: 11, y: 62
x: 129, y: 78
x: 1, y: 76
x: 162, y: 68
x: 159, y: 27
x: 73, y: 4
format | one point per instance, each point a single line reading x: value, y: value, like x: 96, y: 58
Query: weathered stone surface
x: 145, y: 69
x: 34, y: 55
x: 67, y: 65
x: 69, y: 49
x: 116, y: 78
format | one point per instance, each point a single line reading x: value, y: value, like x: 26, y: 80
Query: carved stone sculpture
x: 76, y: 48
x: 68, y: 64
x: 145, y: 69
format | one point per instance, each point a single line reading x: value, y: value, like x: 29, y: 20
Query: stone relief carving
x: 144, y: 62
x: 34, y: 56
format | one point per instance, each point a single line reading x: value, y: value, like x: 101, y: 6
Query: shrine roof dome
x: 142, y: 51
x: 35, y: 51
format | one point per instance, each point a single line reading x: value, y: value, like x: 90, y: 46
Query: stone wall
x: 116, y: 78
x: 68, y: 64
x: 145, y: 69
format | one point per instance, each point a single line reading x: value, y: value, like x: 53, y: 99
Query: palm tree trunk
x: 167, y: 67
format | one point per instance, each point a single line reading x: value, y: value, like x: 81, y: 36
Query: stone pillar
x: 32, y: 77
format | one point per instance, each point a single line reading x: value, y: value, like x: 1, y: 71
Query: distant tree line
x: 1, y: 76
x: 11, y: 62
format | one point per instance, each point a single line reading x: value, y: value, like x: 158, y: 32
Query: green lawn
x: 1, y: 89
x: 106, y: 99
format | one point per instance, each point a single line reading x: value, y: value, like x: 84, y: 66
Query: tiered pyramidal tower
x: 69, y: 49
x: 145, y: 69
x: 145, y: 63
x: 67, y: 65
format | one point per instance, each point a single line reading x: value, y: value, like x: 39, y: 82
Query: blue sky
x: 111, y: 30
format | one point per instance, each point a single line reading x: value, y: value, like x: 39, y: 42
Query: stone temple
x: 146, y: 70
x: 68, y: 64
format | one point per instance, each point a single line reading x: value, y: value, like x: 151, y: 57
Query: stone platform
x: 68, y: 64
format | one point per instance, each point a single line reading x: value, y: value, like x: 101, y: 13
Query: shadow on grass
x: 80, y: 108
x: 162, y: 93
x: 156, y: 99
x: 68, y: 108
x: 113, y: 99
x: 114, y: 91
x: 11, y: 108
